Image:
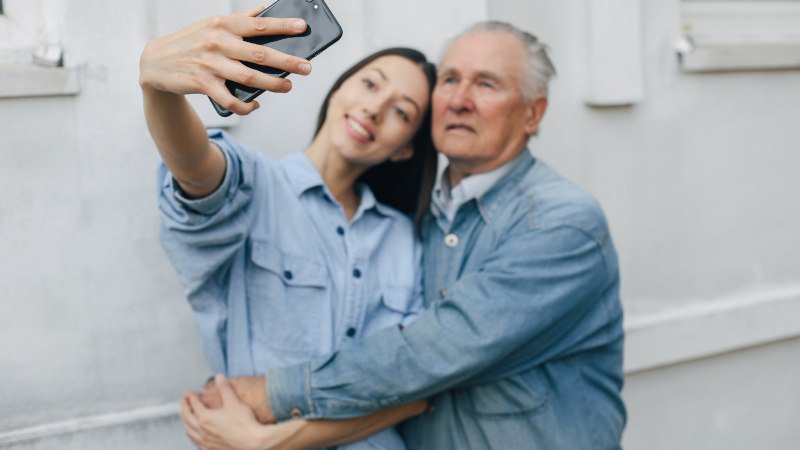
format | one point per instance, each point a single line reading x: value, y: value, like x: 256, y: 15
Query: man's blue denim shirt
x: 521, y: 343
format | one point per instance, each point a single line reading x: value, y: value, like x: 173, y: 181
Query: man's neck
x: 458, y: 170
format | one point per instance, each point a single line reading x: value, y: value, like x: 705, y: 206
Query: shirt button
x: 356, y: 273
x: 340, y: 231
x: 288, y: 275
x: 351, y: 332
x: 296, y: 412
x: 442, y: 293
x: 451, y: 240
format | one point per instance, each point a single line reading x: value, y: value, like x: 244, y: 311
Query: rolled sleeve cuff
x: 289, y: 391
x: 212, y: 202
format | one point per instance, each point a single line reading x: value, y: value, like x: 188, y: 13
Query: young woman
x: 286, y: 260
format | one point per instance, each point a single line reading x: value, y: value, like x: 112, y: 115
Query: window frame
x: 739, y: 35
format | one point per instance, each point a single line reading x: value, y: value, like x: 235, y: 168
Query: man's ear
x: 534, y: 112
x: 403, y: 154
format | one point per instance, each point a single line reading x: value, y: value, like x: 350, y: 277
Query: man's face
x: 480, y: 118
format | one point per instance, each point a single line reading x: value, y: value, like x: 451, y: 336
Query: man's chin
x: 454, y: 147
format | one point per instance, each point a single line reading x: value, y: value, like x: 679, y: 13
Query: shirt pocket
x: 514, y: 397
x: 390, y: 310
x: 288, y: 304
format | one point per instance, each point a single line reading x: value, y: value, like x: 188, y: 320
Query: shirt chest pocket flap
x: 288, y: 299
x: 292, y: 270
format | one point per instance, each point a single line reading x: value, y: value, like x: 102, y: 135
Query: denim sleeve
x: 416, y: 304
x: 201, y: 235
x: 532, y: 296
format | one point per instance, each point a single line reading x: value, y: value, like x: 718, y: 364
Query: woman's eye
x: 403, y: 115
x: 368, y: 83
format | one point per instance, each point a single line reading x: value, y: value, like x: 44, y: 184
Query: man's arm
x: 233, y: 424
x: 528, y: 299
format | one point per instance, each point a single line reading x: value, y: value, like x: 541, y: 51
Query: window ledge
x: 704, y: 329
x: 34, y: 81
x: 749, y: 35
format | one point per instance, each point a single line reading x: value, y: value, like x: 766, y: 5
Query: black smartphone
x: 322, y: 32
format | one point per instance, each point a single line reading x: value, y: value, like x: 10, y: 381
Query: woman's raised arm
x: 198, y: 60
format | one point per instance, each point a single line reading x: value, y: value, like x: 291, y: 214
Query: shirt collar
x: 305, y: 176
x: 448, y: 199
x: 302, y: 174
x: 501, y: 192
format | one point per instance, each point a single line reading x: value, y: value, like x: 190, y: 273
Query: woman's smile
x: 358, y: 129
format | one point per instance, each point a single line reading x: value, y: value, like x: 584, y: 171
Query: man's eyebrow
x: 446, y: 71
x: 485, y: 74
x: 489, y: 75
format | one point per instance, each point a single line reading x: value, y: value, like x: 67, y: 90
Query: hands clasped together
x: 218, y: 419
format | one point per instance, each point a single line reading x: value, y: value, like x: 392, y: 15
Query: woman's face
x: 376, y: 112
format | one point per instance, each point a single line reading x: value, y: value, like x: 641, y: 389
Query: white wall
x: 94, y: 321
x: 696, y: 179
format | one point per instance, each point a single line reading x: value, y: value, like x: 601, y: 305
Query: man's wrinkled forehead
x: 486, y: 54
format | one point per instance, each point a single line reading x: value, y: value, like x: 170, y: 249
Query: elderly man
x: 521, y: 343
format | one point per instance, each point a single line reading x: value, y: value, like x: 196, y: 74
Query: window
x: 31, y: 56
x: 739, y: 35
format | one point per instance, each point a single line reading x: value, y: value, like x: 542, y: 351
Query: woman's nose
x: 371, y: 114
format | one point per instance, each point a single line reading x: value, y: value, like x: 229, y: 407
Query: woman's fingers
x: 190, y: 424
x: 235, y: 71
x: 229, y: 397
x: 221, y: 95
x: 264, y: 56
x: 258, y: 26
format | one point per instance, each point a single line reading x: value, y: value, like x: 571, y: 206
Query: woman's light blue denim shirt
x: 276, y: 275
x: 520, y: 346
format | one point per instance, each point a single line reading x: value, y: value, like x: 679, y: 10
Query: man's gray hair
x: 537, y: 69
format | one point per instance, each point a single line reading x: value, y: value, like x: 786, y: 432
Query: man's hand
x: 252, y: 391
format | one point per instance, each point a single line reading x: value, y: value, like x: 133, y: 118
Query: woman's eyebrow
x: 405, y: 97
x: 411, y: 100
x: 383, y: 75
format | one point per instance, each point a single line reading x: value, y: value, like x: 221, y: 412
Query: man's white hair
x: 537, y: 69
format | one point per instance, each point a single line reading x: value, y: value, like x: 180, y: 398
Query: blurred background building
x: 681, y: 116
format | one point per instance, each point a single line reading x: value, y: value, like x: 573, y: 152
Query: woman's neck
x: 337, y: 174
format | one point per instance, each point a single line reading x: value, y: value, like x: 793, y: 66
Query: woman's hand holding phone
x: 201, y: 57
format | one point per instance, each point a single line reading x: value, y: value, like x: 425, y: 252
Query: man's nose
x: 461, y: 98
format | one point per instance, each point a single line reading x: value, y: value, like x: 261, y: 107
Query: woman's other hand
x: 233, y: 425
x: 199, y: 58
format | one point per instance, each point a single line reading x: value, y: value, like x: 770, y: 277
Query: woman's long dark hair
x: 404, y: 185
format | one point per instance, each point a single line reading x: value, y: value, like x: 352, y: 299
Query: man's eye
x: 486, y: 84
x: 449, y: 80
